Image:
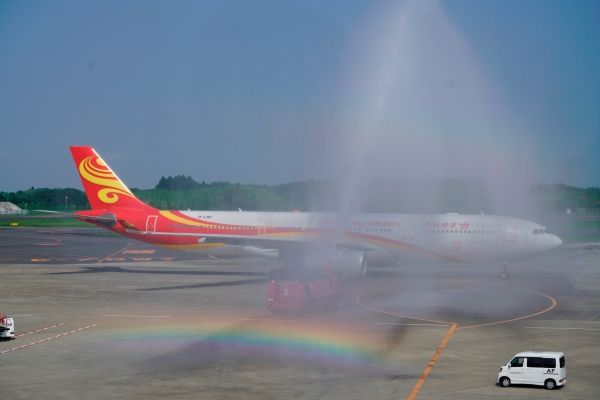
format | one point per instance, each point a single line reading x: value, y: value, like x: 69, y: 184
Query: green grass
x: 580, y: 238
x: 44, y: 222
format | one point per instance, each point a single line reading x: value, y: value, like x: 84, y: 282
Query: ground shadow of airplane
x: 261, y: 276
x: 94, y: 270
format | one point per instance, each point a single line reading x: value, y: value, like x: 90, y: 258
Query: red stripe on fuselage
x: 164, y: 226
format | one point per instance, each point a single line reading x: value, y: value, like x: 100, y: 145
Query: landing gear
x: 505, y: 271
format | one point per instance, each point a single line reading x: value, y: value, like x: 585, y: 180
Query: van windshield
x: 517, y: 362
x: 562, y: 362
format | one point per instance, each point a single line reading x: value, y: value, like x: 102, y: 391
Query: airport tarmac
x: 104, y: 317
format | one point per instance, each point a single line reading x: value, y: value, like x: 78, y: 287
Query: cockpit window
x: 540, y: 231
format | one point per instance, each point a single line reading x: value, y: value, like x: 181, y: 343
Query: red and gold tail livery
x: 103, y: 187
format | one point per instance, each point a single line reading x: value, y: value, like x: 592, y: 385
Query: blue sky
x: 254, y: 91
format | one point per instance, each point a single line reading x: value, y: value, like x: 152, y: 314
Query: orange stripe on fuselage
x: 170, y: 215
x: 276, y: 232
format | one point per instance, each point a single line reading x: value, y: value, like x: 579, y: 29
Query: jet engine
x: 349, y: 263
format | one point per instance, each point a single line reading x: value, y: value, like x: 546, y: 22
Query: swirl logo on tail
x: 103, y: 188
x: 94, y: 170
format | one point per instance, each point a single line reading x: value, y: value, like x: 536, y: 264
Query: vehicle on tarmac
x: 7, y: 327
x: 543, y: 368
x: 300, y: 291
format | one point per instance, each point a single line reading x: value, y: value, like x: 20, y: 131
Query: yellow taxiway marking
x: 562, y: 328
x: 436, y: 355
x: 553, y: 303
x: 453, y: 327
x: 368, y: 307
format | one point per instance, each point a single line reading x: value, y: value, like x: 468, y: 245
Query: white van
x: 535, y: 368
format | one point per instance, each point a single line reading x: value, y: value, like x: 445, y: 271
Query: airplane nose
x: 556, y: 241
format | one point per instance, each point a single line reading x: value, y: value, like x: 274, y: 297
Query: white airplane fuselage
x: 452, y: 237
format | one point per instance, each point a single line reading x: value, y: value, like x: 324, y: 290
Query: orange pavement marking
x: 553, y: 303
x: 436, y: 355
x: 368, y: 307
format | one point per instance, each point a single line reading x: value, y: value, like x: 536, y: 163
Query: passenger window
x: 562, y: 362
x: 517, y: 362
x: 549, y: 363
x: 535, y: 362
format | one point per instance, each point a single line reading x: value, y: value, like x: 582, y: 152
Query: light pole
x: 66, y: 202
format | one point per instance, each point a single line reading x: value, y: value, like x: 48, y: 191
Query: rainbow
x: 314, y: 341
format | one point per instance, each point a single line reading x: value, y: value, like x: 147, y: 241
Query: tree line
x: 183, y: 192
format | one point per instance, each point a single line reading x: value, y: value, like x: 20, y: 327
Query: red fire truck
x: 301, y: 290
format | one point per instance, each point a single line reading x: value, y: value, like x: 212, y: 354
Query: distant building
x: 9, y: 208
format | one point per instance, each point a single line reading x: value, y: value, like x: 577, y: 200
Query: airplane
x: 351, y: 241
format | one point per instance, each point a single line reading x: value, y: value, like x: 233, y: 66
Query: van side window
x: 535, y: 362
x: 562, y: 362
x: 517, y: 362
x: 549, y: 362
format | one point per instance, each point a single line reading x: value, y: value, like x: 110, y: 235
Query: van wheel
x: 504, y: 381
x: 550, y: 384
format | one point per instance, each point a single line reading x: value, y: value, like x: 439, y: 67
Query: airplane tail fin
x: 102, y: 186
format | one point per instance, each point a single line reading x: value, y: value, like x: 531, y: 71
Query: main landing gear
x: 505, y: 271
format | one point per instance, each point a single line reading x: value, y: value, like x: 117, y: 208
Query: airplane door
x: 510, y: 233
x: 406, y: 235
x: 151, y: 223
